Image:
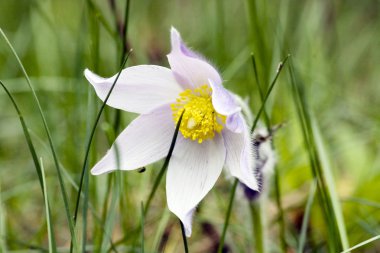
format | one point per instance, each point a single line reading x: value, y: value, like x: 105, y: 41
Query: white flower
x: 212, y: 134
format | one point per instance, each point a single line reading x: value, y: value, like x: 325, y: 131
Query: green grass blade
x: 111, y: 214
x: 228, y: 215
x: 85, y: 163
x: 281, y: 216
x: 185, y: 246
x: 88, y: 146
x: 76, y: 187
x: 122, y: 29
x: 124, y: 34
x: 164, y: 166
x: 101, y: 18
x: 273, y: 83
x: 35, y: 160
x: 256, y: 209
x: 236, y: 64
x: 334, y: 238
x: 362, y: 201
x: 312, y: 160
x: 56, y: 163
x: 362, y: 244
x: 258, y: 229
x: 3, y: 233
x: 27, y: 136
x: 47, y: 210
x: 85, y: 208
x: 220, y: 45
x: 165, y: 217
x: 258, y: 36
x: 276, y: 176
x: 142, y: 227
x: 232, y: 196
x: 306, y: 217
x: 330, y: 185
x: 122, y: 26
x: 94, y: 31
x: 261, y: 92
x: 105, y: 210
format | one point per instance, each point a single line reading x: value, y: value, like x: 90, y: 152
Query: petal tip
x: 223, y: 101
x: 92, y: 77
x: 173, y: 30
x: 186, y: 221
x: 186, y: 217
x: 98, y: 171
x: 95, y: 172
x: 188, y: 232
x: 175, y: 39
x: 101, y: 168
x: 87, y: 73
x: 255, y: 187
x: 249, y: 183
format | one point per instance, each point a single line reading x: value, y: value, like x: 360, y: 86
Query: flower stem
x: 281, y: 218
x: 261, y: 92
x: 184, y: 237
x: 85, y: 162
x: 269, y: 92
x: 142, y: 227
x: 228, y: 215
x: 256, y: 210
x: 232, y: 196
x: 163, y: 169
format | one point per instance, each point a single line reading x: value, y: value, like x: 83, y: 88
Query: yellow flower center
x: 200, y: 121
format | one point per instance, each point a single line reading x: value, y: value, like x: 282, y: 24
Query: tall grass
x: 324, y: 195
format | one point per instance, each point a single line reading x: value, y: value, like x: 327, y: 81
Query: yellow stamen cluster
x: 199, y: 121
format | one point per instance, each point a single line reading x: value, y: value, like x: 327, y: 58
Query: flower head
x: 213, y: 133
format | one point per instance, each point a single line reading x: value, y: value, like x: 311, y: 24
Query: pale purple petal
x: 222, y: 100
x: 225, y: 104
x: 139, y: 89
x: 239, y: 157
x: 235, y: 123
x: 190, y: 69
x: 193, y: 171
x: 146, y: 140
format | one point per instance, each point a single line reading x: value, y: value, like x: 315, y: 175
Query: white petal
x: 139, y: 89
x: 193, y: 171
x: 235, y: 123
x: 146, y: 140
x: 224, y: 103
x: 222, y: 100
x: 189, y: 68
x: 239, y: 158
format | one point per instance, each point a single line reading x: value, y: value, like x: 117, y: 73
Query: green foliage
x: 325, y: 189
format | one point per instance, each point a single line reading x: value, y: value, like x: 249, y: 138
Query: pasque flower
x: 213, y: 133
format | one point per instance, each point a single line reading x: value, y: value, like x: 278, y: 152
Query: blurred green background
x: 334, y: 48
